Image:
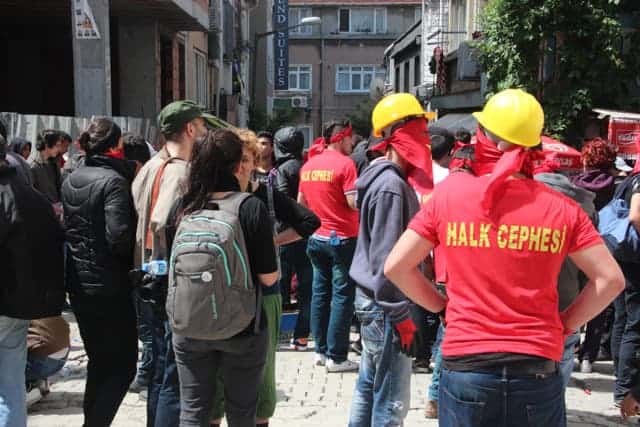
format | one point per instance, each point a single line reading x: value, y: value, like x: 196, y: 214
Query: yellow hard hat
x: 393, y: 108
x: 513, y: 115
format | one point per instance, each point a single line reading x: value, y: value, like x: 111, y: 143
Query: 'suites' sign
x: 281, y: 44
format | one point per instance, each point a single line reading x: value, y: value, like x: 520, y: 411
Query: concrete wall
x: 139, y: 67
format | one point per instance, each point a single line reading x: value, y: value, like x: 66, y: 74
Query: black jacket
x: 288, y: 154
x: 100, y: 227
x: 31, y: 250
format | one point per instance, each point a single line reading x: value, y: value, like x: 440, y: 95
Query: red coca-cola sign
x: 625, y: 134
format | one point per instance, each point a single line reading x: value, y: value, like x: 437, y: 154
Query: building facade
x: 333, y: 65
x: 104, y: 57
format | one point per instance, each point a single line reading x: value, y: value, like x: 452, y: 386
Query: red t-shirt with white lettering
x: 503, y: 271
x: 325, y: 180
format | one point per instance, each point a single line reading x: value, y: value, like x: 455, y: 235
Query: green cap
x: 174, y: 116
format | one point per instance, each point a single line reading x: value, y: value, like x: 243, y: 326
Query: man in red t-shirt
x: 504, y: 237
x: 327, y: 187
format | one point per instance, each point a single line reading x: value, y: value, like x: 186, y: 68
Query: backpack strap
x: 231, y: 203
x: 147, y: 240
x: 624, y: 186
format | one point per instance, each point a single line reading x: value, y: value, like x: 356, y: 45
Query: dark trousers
x: 163, y: 402
x: 497, y: 400
x: 294, y: 259
x: 333, y: 296
x: 628, y: 327
x: 591, y: 345
x: 239, y: 361
x: 605, y: 341
x: 144, y: 314
x: 108, y: 329
x: 427, y: 324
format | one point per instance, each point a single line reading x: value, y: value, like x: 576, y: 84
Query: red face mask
x: 413, y: 144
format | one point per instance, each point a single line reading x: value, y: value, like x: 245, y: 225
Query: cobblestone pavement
x: 309, y: 396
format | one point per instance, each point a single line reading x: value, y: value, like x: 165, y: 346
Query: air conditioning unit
x: 299, y: 102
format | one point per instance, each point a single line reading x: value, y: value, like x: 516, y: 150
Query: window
x: 202, y: 86
x: 417, y: 80
x: 308, y: 135
x: 406, y: 85
x: 417, y: 14
x: 299, y: 77
x: 363, y: 20
x: 356, y: 78
x: 296, y: 14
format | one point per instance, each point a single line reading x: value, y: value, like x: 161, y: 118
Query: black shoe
x: 422, y: 366
x: 356, y: 347
x: 136, y: 387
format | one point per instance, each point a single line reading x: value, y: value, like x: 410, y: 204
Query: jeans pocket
x: 372, y: 327
x: 455, y: 412
x: 549, y: 413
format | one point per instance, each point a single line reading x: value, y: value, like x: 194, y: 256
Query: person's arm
x: 301, y: 199
x: 291, y: 213
x: 630, y: 406
x: 401, y: 268
x: 119, y: 218
x: 258, y: 233
x: 606, y: 281
x: 351, y: 201
x: 349, y: 176
x: 634, y: 211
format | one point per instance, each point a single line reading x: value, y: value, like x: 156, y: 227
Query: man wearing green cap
x: 155, y: 190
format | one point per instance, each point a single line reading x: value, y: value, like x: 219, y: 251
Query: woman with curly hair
x: 599, y: 175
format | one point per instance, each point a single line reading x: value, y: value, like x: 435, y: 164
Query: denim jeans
x: 383, y: 389
x: 628, y: 374
x: 163, y: 403
x: 470, y: 399
x: 434, y: 387
x: 41, y: 368
x: 13, y: 359
x: 294, y: 259
x: 144, y: 317
x: 566, y: 364
x: 333, y: 296
x: 591, y: 345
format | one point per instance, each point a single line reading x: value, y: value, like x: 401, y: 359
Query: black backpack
x: 32, y: 252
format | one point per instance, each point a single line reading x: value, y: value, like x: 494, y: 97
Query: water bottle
x: 156, y: 267
x: 334, y: 240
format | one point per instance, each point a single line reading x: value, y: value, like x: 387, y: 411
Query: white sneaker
x: 33, y: 396
x: 320, y: 360
x: 586, y: 367
x: 346, y: 366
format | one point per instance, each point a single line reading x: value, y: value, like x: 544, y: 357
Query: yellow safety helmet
x: 393, y: 108
x: 513, y: 115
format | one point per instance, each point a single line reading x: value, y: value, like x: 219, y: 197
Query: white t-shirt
x: 439, y: 173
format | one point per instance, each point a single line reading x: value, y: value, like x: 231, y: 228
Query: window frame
x: 374, y: 25
x: 298, y: 72
x: 201, y: 82
x: 377, y: 72
x: 304, y: 29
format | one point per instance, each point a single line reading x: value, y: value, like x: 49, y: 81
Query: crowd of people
x: 479, y: 261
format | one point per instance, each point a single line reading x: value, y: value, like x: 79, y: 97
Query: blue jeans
x: 294, y: 259
x: 628, y: 323
x: 566, y: 364
x: 383, y: 389
x: 434, y: 387
x: 13, y: 359
x: 163, y: 403
x: 41, y: 368
x: 333, y: 296
x: 144, y: 317
x: 469, y: 399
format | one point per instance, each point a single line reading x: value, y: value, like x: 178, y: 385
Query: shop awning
x: 567, y: 157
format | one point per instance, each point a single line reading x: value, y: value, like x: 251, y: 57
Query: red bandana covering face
x: 486, y: 154
x: 319, y: 145
x: 413, y: 144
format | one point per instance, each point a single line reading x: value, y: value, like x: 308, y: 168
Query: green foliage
x: 360, y: 118
x: 591, y: 67
x: 259, y: 120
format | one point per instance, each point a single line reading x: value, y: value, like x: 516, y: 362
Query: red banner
x: 625, y: 134
x: 567, y: 157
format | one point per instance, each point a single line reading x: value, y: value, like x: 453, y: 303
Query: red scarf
x: 319, y: 144
x: 486, y: 155
x: 115, y: 153
x: 413, y: 144
x: 502, y: 165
